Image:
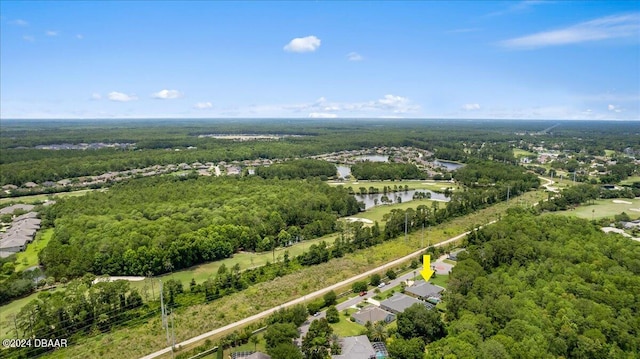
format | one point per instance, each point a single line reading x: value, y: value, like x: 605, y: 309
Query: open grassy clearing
x: 346, y: 328
x: 605, y: 208
x: 36, y: 198
x: 147, y: 336
x: 518, y: 152
x: 630, y: 180
x: 609, y: 153
x: 246, y: 260
x: 377, y: 213
x: 9, y: 310
x: 29, y: 257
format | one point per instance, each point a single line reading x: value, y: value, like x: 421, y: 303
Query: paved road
x: 302, y: 299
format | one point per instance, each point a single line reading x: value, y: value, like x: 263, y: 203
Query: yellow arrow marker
x: 426, y: 271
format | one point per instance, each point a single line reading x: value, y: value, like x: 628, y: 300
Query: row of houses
x: 21, y: 232
x: 420, y: 292
x: 355, y: 347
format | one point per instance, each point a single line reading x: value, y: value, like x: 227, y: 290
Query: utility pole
x: 574, y: 176
x: 508, y: 192
x: 405, y: 226
x: 422, y: 237
x: 163, y: 309
x: 173, y: 335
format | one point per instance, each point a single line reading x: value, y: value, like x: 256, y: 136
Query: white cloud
x: 51, y: 33
x: 96, y: 96
x: 471, y: 106
x: 19, y: 22
x: 121, y: 97
x: 608, y: 27
x: 303, y: 44
x: 389, y: 103
x: 203, y: 105
x: 519, y: 7
x: 322, y: 115
x: 28, y: 38
x: 613, y: 108
x: 79, y: 37
x: 354, y: 56
x: 167, y: 94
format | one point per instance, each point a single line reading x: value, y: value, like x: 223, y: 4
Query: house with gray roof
x: 400, y: 302
x: 423, y: 290
x: 250, y: 355
x: 359, y: 347
x: 21, y: 232
x: 373, y: 314
x: 11, y: 209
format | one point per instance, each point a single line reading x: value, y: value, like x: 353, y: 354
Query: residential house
x: 423, y: 290
x: 400, y: 302
x: 359, y: 347
x: 373, y: 314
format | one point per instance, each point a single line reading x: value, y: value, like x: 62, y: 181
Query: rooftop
x: 424, y: 289
x: 399, y: 302
x: 356, y: 348
x: 371, y: 314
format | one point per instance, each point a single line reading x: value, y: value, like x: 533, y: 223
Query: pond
x: 343, y: 171
x: 451, y: 166
x: 370, y: 199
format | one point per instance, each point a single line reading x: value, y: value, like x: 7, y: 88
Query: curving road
x: 303, y: 298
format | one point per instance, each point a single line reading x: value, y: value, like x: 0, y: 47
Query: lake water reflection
x: 370, y: 199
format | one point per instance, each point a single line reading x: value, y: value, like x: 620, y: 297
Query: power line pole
x: 508, y: 193
x: 173, y: 335
x: 422, y: 237
x: 405, y: 226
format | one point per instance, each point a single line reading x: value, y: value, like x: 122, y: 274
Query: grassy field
x: 246, y: 260
x: 43, y: 197
x: 29, y: 257
x: 605, y: 208
x: 346, y: 328
x: 630, y: 180
x: 8, y: 311
x: 518, y: 152
x: 378, y: 212
x: 609, y: 153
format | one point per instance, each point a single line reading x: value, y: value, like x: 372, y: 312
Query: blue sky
x: 506, y: 60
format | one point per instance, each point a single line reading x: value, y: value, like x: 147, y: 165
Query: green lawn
x: 42, y: 197
x: 245, y: 259
x: 29, y: 257
x: 609, y: 153
x: 440, y: 279
x: 347, y: 328
x: 376, y: 213
x: 630, y: 180
x: 605, y: 208
x: 9, y: 310
x: 518, y: 152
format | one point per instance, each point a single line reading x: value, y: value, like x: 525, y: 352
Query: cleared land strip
x: 302, y: 299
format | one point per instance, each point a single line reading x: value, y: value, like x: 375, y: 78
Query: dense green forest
x: 154, y: 225
x: 302, y: 168
x: 156, y: 142
x: 539, y: 287
x: 386, y: 171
